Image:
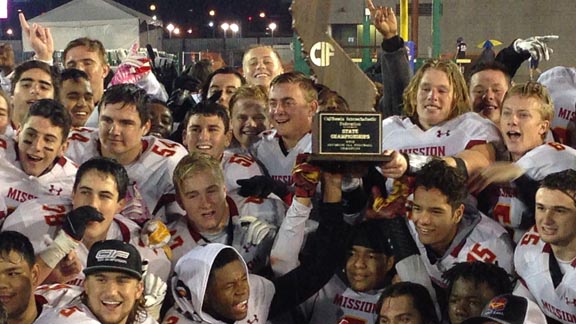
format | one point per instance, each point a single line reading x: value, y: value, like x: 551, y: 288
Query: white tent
x: 115, y: 25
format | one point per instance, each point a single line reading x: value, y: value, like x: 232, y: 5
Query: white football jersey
x: 561, y: 83
x: 537, y: 163
x: 479, y: 238
x: 337, y: 303
x: 279, y: 166
x: 56, y: 295
x: 41, y: 219
x: 151, y: 186
x: 17, y: 187
x: 532, y: 262
x: 185, y: 237
x: 238, y: 166
x: 76, y: 312
x: 449, y: 138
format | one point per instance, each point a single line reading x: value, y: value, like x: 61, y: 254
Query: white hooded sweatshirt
x: 189, y: 287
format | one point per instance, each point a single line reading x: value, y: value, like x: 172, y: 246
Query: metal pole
x: 436, y: 9
x: 366, y: 58
x: 414, y: 30
x: 404, y: 19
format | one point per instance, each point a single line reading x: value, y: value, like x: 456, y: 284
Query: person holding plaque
x: 438, y: 121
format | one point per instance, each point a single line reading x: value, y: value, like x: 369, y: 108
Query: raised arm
x: 328, y: 252
x: 39, y: 38
x: 396, y: 72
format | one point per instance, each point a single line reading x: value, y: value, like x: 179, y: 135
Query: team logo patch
x: 498, y: 304
x: 110, y: 255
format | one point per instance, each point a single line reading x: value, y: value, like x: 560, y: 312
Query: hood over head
x: 191, y: 275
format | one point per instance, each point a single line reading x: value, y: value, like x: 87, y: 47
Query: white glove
x: 60, y: 247
x: 154, y: 291
x: 537, y: 46
x: 258, y: 229
x: 155, y: 234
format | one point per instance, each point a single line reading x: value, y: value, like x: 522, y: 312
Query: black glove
x: 261, y: 186
x: 76, y: 221
x: 402, y: 241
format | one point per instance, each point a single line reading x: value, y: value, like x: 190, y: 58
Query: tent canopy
x: 115, y: 25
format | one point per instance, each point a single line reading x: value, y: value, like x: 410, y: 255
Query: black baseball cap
x: 115, y: 256
x: 509, y: 309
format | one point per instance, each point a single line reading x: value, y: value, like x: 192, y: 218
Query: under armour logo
x: 254, y: 320
x: 440, y: 134
x: 570, y: 302
x: 247, y: 247
x: 53, y: 190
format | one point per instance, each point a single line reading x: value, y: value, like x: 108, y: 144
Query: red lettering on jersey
x: 3, y: 143
x: 56, y: 208
x: 528, y: 239
x: 56, y: 219
x: 243, y: 160
x: 168, y: 144
x: 567, y: 114
x: 85, y: 130
x: 66, y: 312
x: 557, y: 146
x: 172, y: 320
x: 79, y: 137
x: 19, y: 195
x: 53, y: 287
x: 254, y: 199
x: 162, y: 152
x: 178, y: 241
x: 501, y: 213
x: 481, y: 254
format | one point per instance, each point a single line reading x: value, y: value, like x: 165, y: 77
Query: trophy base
x: 355, y: 164
x: 349, y: 158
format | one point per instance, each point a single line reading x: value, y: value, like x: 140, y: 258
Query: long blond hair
x: 461, y: 99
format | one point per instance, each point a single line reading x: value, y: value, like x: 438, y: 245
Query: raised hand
x: 537, y: 46
x: 39, y: 37
x: 305, y: 177
x: 383, y: 19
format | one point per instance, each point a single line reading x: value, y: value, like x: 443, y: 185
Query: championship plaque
x: 351, y: 136
x: 340, y: 140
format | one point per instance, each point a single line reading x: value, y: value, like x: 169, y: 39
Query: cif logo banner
x: 320, y: 53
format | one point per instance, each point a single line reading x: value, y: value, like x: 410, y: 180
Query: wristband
x: 60, y: 247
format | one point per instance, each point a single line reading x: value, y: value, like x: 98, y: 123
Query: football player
x: 63, y: 229
x: 527, y: 112
x: 33, y: 165
x: 123, y: 121
x: 544, y: 258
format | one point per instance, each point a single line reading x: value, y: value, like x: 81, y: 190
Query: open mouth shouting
x: 513, y: 136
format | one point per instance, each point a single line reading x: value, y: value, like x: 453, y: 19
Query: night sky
x: 185, y: 13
